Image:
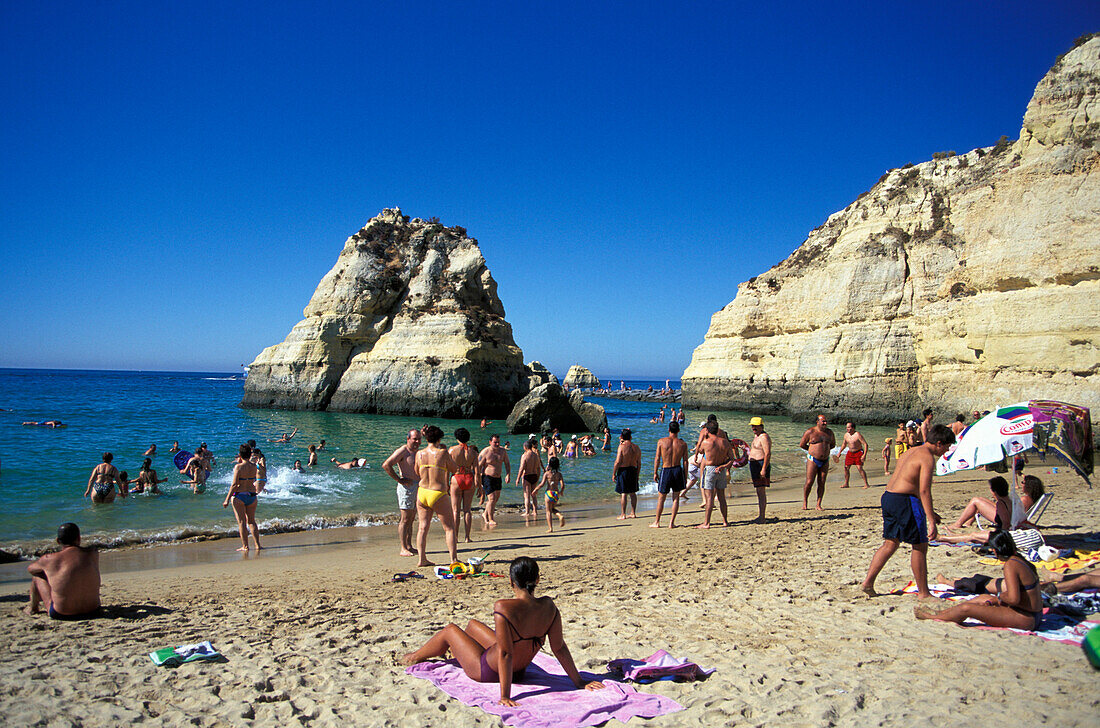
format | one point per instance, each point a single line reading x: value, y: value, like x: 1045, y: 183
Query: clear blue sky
x: 177, y: 177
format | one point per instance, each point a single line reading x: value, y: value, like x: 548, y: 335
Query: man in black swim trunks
x: 67, y: 582
x: 672, y: 453
x: 760, y: 464
x: 628, y: 461
x: 907, y: 509
x: 490, y: 462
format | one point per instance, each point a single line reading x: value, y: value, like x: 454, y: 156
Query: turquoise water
x: 43, y: 472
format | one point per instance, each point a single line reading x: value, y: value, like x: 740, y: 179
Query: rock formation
x: 537, y: 375
x: 548, y: 407
x: 407, y: 322
x: 960, y: 283
x: 578, y: 376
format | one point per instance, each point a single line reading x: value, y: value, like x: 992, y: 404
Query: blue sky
x: 177, y: 177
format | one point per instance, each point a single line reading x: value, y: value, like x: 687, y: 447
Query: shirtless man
x: 703, y: 434
x: 350, y: 464
x: 285, y: 437
x: 760, y: 464
x: 926, y: 425
x: 628, y: 462
x: 715, y: 466
x: 101, y: 483
x: 464, y: 481
x: 66, y: 582
x: 857, y: 453
x: 530, y: 471
x: 958, y: 425
x: 490, y: 462
x: 817, y: 442
x: 403, y: 458
x: 672, y: 454
x: 907, y: 513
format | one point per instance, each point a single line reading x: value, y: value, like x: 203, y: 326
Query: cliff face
x: 407, y: 322
x: 579, y: 376
x: 959, y: 284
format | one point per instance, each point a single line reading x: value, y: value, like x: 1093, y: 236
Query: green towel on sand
x: 175, y: 656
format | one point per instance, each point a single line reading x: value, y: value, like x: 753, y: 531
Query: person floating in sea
x: 464, y: 481
x: 555, y: 489
x: 404, y: 458
x: 152, y: 451
x: 243, y: 491
x: 434, y: 467
x: 1018, y: 603
x: 530, y: 471
x: 490, y: 462
x: 485, y: 423
x: 522, y: 625
x: 298, y: 466
x: 817, y: 442
x: 101, y: 483
x: 760, y: 464
x: 670, y: 472
x: 628, y: 463
x: 857, y: 453
x: 312, y: 462
x: 907, y: 514
x: 66, y: 582
x: 175, y: 446
x: 350, y: 464
x: 286, y: 436
x: 321, y: 445
x: 715, y: 467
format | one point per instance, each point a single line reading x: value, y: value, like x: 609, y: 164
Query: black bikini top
x: 536, y: 641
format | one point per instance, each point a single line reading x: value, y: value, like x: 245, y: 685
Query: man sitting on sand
x: 67, y: 582
x: 907, y: 513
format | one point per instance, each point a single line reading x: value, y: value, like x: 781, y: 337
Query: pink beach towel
x: 658, y: 665
x: 546, y: 696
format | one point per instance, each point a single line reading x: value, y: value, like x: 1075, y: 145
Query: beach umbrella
x: 1005, y: 432
x: 1065, y: 430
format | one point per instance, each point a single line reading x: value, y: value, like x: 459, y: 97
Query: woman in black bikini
x: 1017, y: 603
x: 501, y: 655
x: 243, y: 491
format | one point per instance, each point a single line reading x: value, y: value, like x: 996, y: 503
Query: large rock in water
x: 538, y: 374
x: 548, y: 407
x: 407, y: 322
x: 961, y: 283
x: 578, y: 376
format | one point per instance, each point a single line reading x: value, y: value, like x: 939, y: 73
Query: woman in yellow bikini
x: 434, y: 466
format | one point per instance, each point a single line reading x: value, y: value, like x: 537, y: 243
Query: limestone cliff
x: 579, y: 376
x: 407, y: 322
x: 961, y: 283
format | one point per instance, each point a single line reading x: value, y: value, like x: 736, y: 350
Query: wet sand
x: 311, y: 626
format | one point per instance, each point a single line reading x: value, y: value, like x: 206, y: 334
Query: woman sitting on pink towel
x: 523, y: 624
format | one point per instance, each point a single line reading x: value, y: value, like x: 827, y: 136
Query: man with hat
x: 760, y: 463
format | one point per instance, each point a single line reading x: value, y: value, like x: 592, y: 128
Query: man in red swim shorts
x: 857, y: 453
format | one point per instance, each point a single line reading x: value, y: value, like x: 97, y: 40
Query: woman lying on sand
x: 522, y: 625
x: 1017, y: 604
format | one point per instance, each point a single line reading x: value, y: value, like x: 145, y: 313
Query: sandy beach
x: 310, y: 628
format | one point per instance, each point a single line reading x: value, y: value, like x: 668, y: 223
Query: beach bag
x: 1091, y: 645
x: 1026, y: 539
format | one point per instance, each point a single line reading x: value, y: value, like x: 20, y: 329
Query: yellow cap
x: 756, y: 421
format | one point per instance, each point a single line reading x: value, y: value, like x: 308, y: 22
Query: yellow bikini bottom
x: 428, y: 497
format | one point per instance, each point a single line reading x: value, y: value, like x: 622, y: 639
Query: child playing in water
x: 555, y: 487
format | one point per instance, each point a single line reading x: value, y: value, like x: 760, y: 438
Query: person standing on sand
x: 926, y: 425
x: 555, y: 489
x: 958, y: 425
x: 464, y: 480
x: 672, y: 454
x: 760, y: 464
x: 907, y: 513
x: 404, y: 459
x: 68, y: 581
x: 530, y: 470
x: 434, y: 467
x: 243, y: 490
x: 704, y: 433
x: 715, y: 466
x: 857, y: 453
x: 886, y: 455
x: 491, y: 460
x: 628, y: 462
x: 817, y: 442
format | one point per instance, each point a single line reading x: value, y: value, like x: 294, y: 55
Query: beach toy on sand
x: 176, y: 656
x: 180, y: 459
x: 1091, y: 646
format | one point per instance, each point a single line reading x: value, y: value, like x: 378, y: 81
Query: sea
x: 44, y: 471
